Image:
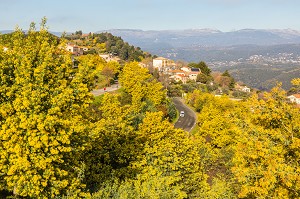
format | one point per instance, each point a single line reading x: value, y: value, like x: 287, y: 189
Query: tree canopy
x: 56, y: 143
x: 108, y: 43
x: 203, y: 67
x: 42, y: 130
x: 253, y: 144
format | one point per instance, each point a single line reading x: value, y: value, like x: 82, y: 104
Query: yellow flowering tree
x: 296, y: 82
x: 295, y: 85
x: 219, y: 122
x: 42, y: 131
x: 89, y: 69
x: 112, y: 146
x: 266, y: 160
x: 171, y: 155
x: 141, y: 86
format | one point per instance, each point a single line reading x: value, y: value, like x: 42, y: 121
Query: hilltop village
x: 178, y: 77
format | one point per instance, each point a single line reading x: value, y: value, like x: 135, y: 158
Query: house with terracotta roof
x: 180, y: 77
x: 186, y: 73
x: 193, y: 73
x: 295, y: 98
x: 177, y: 72
x: 74, y: 49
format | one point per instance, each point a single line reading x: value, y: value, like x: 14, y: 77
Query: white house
x: 161, y: 63
x: 186, y: 69
x: 180, y: 77
x: 74, y: 49
x: 295, y: 98
x: 106, y: 57
x: 242, y: 88
x: 246, y: 89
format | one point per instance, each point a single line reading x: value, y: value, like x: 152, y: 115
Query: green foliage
x: 240, y: 94
x: 203, y: 67
x: 202, y: 78
x: 175, y: 90
x: 230, y: 82
x: 226, y: 74
x: 190, y: 86
x: 108, y: 43
x: 155, y: 187
x: 172, y: 112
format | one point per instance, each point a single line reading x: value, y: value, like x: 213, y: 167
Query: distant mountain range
x: 213, y: 46
x: 196, y: 44
x: 279, y: 49
x: 154, y: 41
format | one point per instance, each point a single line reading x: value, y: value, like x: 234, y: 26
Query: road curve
x: 188, y: 121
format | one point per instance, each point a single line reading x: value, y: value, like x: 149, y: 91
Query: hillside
x: 58, y: 141
x: 222, y: 51
x: 265, y: 77
x: 278, y: 50
x: 97, y: 43
x: 107, y: 43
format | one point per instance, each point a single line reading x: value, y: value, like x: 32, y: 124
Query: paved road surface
x: 188, y: 121
x: 101, y: 91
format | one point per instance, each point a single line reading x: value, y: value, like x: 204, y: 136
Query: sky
x: 96, y: 15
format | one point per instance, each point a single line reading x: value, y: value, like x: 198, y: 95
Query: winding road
x: 101, y: 91
x: 188, y: 121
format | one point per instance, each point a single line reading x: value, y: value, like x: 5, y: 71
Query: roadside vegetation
x: 59, y: 141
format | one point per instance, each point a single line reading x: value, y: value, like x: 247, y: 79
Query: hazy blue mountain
x: 215, y: 46
x: 153, y: 40
x: 228, y: 51
x: 5, y: 31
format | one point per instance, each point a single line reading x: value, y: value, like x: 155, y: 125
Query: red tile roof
x: 297, y: 95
